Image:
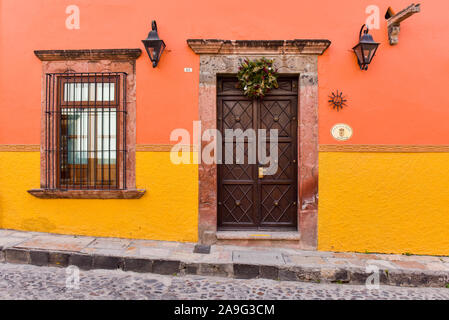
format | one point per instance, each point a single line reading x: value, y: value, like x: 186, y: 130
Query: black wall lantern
x: 365, y: 49
x: 154, y: 45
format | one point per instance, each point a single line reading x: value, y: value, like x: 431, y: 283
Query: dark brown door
x: 246, y: 200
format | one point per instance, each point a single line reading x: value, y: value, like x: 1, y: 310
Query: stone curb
x: 349, y: 275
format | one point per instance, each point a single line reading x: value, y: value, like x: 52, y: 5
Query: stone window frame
x: 292, y: 57
x: 93, y: 61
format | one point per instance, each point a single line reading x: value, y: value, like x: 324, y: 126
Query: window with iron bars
x: 85, y: 137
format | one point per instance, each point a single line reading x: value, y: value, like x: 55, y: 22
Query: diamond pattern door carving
x: 246, y: 201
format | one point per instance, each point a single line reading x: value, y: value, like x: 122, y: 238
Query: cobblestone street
x: 31, y: 282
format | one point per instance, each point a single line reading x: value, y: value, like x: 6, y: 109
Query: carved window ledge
x: 87, y: 194
x: 94, y: 54
x: 266, y: 47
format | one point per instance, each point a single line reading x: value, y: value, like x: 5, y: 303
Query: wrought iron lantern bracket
x: 366, y: 49
x: 154, y: 45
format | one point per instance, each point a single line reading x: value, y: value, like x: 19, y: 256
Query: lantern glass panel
x: 358, y: 52
x: 154, y: 49
x: 368, y: 52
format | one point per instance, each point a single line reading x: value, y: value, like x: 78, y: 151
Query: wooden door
x: 245, y: 200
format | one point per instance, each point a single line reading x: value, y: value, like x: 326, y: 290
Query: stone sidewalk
x: 162, y: 257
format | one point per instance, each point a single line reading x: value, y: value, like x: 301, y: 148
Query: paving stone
x: 287, y: 275
x: 366, y: 256
x: 424, y: 259
x: 82, y: 261
x: 342, y: 275
x: 154, y: 252
x: 192, y: 258
x: 306, y: 253
x: 17, y: 256
x: 186, y: 246
x: 246, y: 271
x: 138, y: 265
x: 144, y: 243
x: 208, y: 258
x: 357, y: 262
x: 394, y: 257
x: 328, y: 273
x: 264, y: 258
x: 107, y: 262
x: 20, y: 234
x: 104, y: 252
x: 215, y: 269
x: 382, y: 264
x: 132, y: 252
x: 343, y: 255
x: 225, y: 256
x: 166, y: 267
x: 58, y: 243
x: 418, y: 279
x: 306, y: 273
x: 7, y: 241
x: 437, y: 266
x: 304, y: 260
x: 4, y: 232
x: 409, y: 264
x: 269, y: 272
x: 218, y: 248
x: 115, y: 244
x: 360, y: 276
x: 154, y: 244
x: 337, y: 261
x: 189, y: 257
x: 191, y: 268
x: 39, y: 258
x: 58, y: 259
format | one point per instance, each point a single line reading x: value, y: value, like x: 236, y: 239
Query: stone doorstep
x: 259, y: 240
x: 309, y: 273
x: 56, y: 243
x: 258, y: 235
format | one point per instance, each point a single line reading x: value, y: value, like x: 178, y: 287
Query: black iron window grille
x: 85, y: 131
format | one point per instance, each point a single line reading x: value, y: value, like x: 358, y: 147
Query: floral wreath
x: 257, y: 77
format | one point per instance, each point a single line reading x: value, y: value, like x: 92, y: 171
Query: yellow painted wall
x: 375, y: 202
x: 384, y: 202
x: 168, y: 210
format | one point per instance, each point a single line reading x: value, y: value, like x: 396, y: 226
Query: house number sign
x: 341, y: 132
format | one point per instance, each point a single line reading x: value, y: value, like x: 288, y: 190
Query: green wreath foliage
x: 257, y: 77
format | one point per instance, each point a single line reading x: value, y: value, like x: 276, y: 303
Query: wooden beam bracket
x: 394, y: 22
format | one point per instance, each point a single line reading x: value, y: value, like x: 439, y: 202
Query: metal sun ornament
x: 337, y: 100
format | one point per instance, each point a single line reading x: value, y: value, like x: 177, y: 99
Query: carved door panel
x: 247, y: 200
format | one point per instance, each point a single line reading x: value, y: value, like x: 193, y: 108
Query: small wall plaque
x: 341, y: 132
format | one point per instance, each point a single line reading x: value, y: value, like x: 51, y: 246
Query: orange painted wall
x: 402, y: 99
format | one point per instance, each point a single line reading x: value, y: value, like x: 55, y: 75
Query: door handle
x: 260, y: 172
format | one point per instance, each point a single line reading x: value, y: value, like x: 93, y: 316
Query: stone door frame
x: 291, y: 57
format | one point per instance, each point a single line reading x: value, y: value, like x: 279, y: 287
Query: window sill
x: 87, y: 194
